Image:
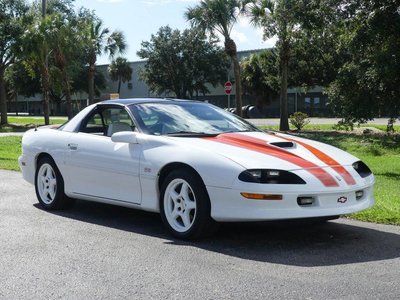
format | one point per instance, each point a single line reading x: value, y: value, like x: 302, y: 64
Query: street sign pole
x: 228, y: 90
x: 229, y: 96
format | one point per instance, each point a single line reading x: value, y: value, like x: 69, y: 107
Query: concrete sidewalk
x: 11, y: 134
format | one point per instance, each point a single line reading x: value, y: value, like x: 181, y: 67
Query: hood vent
x: 284, y: 144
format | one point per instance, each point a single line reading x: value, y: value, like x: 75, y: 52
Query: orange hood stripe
x: 326, y: 159
x: 261, y: 146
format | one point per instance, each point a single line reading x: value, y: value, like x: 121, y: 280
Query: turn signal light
x: 261, y: 196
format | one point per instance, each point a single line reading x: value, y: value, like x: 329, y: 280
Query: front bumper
x: 228, y: 205
x: 27, y: 166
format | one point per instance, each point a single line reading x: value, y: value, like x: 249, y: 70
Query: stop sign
x: 228, y: 87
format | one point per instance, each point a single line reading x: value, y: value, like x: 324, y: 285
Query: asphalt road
x: 96, y: 251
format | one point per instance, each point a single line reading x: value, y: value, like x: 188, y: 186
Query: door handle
x: 73, y: 146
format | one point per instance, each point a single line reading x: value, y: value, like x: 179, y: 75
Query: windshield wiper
x: 190, y: 134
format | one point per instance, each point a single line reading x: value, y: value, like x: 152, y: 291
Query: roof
x: 140, y: 100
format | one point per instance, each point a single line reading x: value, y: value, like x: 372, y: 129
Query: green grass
x: 329, y: 127
x: 10, y: 150
x: 20, y: 124
x: 380, y: 153
x: 35, y: 120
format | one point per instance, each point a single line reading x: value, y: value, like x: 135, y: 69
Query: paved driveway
x: 96, y: 251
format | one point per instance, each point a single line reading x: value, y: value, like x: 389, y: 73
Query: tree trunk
x: 3, y: 99
x: 45, y: 92
x: 284, y: 118
x: 60, y: 58
x: 284, y: 57
x: 238, y: 96
x: 92, y: 70
x: 16, y: 104
x: 231, y: 50
x: 67, y: 92
x: 119, y: 86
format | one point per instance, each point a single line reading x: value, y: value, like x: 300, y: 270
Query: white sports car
x: 194, y: 163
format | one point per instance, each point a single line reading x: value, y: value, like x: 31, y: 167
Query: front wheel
x: 185, y: 205
x: 49, y: 185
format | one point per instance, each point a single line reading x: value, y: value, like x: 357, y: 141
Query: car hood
x: 272, y: 150
x: 261, y: 150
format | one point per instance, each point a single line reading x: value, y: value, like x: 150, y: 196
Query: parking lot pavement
x: 97, y: 251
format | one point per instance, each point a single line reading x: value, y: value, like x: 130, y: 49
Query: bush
x: 299, y: 120
x: 344, y: 125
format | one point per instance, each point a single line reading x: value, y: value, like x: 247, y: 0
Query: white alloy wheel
x: 46, y: 183
x: 180, y: 205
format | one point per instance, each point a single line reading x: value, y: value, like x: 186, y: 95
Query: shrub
x: 344, y: 125
x: 299, y: 120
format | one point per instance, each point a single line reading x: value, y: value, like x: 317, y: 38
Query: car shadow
x: 286, y: 243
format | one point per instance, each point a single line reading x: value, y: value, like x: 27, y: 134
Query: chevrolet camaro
x: 192, y: 162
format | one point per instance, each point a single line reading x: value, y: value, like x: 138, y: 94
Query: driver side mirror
x: 127, y: 137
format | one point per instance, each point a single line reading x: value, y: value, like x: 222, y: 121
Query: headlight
x: 270, y: 177
x: 362, y: 169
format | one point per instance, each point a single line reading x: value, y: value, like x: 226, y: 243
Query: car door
x: 98, y: 168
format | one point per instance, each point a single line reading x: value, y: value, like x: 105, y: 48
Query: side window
x: 108, y: 121
x: 94, y: 124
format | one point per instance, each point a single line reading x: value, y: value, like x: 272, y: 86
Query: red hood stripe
x: 326, y: 159
x: 261, y: 146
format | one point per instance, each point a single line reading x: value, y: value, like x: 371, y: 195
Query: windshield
x: 187, y: 118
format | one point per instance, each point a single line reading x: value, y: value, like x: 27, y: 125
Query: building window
x: 307, y: 102
x: 316, y: 102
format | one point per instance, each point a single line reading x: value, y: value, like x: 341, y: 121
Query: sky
x: 139, y: 19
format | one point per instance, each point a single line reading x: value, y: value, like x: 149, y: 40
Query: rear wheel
x: 185, y: 205
x: 49, y: 185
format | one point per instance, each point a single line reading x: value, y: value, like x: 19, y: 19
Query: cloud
x: 238, y: 36
x: 244, y: 22
x: 270, y: 42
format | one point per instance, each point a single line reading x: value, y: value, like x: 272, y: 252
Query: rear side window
x: 107, y: 121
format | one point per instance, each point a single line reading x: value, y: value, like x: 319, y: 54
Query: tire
x: 185, y: 205
x: 49, y: 186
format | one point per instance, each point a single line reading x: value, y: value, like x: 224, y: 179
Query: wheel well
x: 40, y: 156
x: 171, y: 167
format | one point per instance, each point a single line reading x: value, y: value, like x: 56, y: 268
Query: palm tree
x: 120, y: 70
x: 101, y: 41
x: 276, y: 18
x: 260, y: 76
x: 37, y: 51
x: 64, y: 39
x: 219, y: 16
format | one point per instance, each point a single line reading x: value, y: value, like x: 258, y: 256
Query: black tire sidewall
x: 59, y: 199
x: 203, y: 207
